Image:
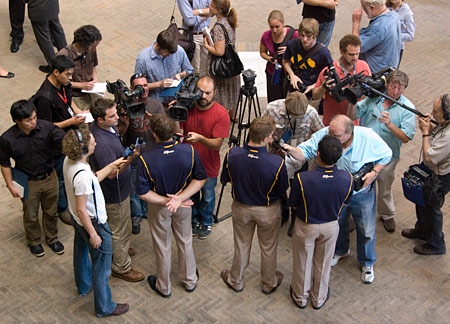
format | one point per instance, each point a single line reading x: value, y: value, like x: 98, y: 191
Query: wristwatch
x: 200, y: 12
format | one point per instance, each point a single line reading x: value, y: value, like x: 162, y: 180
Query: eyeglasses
x: 137, y: 76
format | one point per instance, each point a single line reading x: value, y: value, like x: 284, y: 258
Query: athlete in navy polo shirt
x: 259, y: 180
x: 167, y: 176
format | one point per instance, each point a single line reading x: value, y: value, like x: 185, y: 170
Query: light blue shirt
x: 369, y: 110
x: 188, y: 18
x: 158, y: 68
x: 381, y: 41
x: 366, y: 147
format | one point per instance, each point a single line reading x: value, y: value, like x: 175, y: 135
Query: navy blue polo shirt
x: 258, y: 178
x: 108, y: 149
x: 167, y: 168
x: 320, y: 194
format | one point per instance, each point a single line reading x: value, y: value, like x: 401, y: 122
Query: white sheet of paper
x: 99, y: 88
x: 175, y: 83
x: 88, y: 115
x: 19, y: 187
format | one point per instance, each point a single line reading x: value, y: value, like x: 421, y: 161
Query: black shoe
x: 411, y: 233
x: 37, y: 250
x: 198, y: 278
x: 45, y: 68
x: 135, y: 225
x: 15, y: 45
x: 427, y: 249
x: 57, y: 247
x: 195, y: 229
x: 204, y: 232
x: 328, y: 296
x: 152, y: 282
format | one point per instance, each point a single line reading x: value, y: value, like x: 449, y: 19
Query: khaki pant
x: 43, y: 193
x: 313, y: 249
x: 119, y: 221
x: 162, y: 223
x: 200, y: 61
x: 86, y: 101
x: 267, y: 221
x: 385, y: 200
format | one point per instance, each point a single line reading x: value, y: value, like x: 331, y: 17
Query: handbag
x: 187, y: 43
x: 229, y: 64
x: 420, y: 184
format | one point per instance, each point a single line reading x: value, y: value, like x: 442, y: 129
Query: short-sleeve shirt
x: 84, y: 65
x: 84, y: 183
x: 330, y: 106
x: 108, y: 149
x: 369, y: 111
x: 307, y: 70
x: 439, y: 152
x: 266, y: 40
x: 167, y: 168
x: 211, y: 123
x: 321, y: 14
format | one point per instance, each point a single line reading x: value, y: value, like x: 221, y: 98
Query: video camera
x: 353, y: 87
x: 185, y: 98
x: 123, y: 97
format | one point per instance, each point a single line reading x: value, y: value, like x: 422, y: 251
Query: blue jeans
x: 94, y: 273
x: 138, y: 206
x: 62, y: 198
x: 363, y: 209
x: 203, y: 208
x: 325, y: 32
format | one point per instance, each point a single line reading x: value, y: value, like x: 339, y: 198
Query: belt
x: 41, y: 177
x: 186, y: 32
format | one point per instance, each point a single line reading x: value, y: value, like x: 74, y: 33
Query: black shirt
x: 321, y: 14
x: 33, y: 153
x: 54, y: 104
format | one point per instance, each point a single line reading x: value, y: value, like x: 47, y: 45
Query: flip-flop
x: 8, y: 76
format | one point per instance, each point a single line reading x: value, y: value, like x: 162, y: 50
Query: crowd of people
x: 104, y: 177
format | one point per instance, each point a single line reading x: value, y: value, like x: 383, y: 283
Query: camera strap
x: 309, y: 54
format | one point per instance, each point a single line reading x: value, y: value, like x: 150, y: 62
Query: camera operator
x: 162, y: 62
x: 132, y: 128
x: 436, y: 156
x: 84, y: 55
x: 396, y: 126
x: 32, y: 143
x: 196, y: 15
x: 168, y: 175
x: 347, y: 64
x: 259, y: 180
x: 208, y: 124
x: 116, y: 188
x: 361, y: 146
x: 304, y: 58
x: 89, y: 219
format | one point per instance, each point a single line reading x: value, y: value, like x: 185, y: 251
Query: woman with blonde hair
x: 227, y: 90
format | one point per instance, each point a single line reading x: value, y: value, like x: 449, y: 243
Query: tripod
x: 243, y: 106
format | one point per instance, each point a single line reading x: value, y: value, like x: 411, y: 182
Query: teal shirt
x: 369, y: 110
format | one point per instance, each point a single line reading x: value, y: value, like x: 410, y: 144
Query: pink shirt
x: 266, y: 40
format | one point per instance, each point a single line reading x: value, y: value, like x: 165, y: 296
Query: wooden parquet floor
x: 408, y: 288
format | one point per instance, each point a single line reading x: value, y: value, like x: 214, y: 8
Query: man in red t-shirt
x: 348, y: 63
x: 208, y: 125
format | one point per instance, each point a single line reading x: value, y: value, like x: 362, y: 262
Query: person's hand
x: 329, y: 83
x: 425, y: 124
x: 368, y: 178
x: 117, y: 164
x: 87, y: 85
x: 174, y: 203
x: 281, y: 50
x: 357, y: 15
x: 77, y: 120
x: 194, y: 137
x: 125, y: 120
x: 330, y: 4
x: 309, y: 88
x: 95, y: 241
x: 178, y: 76
x: 166, y: 83
x: 135, y: 154
x: 14, y: 192
x: 287, y: 148
x: 294, y: 81
x: 385, y: 118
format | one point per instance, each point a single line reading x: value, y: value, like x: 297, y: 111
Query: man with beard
x: 207, y: 126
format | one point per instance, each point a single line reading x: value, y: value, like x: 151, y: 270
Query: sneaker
x: 135, y: 225
x: 57, y: 247
x: 195, y: 228
x: 367, y: 274
x: 204, y: 232
x: 37, y: 250
x: 389, y: 225
x: 336, y: 258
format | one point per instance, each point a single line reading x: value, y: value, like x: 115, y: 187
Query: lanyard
x: 64, y: 99
x: 343, y: 69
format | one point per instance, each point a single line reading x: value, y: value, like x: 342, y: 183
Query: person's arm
x: 182, y: 197
x: 218, y: 49
x: 154, y: 198
x: 293, y: 78
x: 370, y: 176
x: 7, y: 175
x: 190, y: 17
x: 83, y: 85
x: 94, y: 239
x: 264, y: 52
x: 112, y: 167
x: 294, y: 152
x: 408, y: 27
x: 329, y: 4
x: 73, y: 121
x: 425, y: 128
x: 386, y: 119
x: 352, y: 111
x: 211, y: 143
x: 356, y: 21
x: 75, y: 109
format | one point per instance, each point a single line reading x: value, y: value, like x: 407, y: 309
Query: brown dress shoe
x: 411, y: 233
x: 389, y: 225
x: 130, y: 275
x: 224, y: 274
x: 120, y: 309
x: 279, y: 276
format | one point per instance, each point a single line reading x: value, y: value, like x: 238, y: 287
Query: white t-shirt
x: 82, y: 185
